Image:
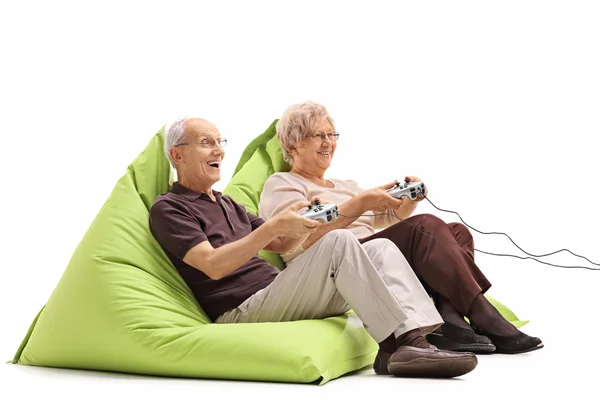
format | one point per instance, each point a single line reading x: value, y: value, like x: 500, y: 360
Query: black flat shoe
x: 459, y: 339
x: 517, y: 344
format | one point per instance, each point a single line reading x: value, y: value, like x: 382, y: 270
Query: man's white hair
x: 297, y: 121
x: 174, y: 134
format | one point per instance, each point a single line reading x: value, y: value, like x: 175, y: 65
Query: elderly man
x: 214, y: 243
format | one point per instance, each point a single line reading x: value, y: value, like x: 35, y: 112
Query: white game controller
x: 409, y: 189
x: 324, y: 212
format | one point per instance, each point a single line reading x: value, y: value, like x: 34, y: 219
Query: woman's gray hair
x: 173, y: 135
x: 297, y: 121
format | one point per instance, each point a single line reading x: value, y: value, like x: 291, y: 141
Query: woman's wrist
x: 362, y: 201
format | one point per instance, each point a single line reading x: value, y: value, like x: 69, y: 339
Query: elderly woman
x: 448, y: 271
x: 214, y: 242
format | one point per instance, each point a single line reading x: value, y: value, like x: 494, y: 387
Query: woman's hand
x: 377, y: 199
x: 409, y: 205
x: 417, y: 179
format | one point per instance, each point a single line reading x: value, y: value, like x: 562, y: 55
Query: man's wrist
x: 272, y: 228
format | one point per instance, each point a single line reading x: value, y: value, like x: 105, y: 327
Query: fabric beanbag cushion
x: 121, y: 306
x: 262, y: 158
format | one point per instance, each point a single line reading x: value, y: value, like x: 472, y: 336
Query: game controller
x: 324, y: 212
x: 406, y: 188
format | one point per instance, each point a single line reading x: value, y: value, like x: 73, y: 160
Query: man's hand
x: 377, y: 199
x: 289, y: 223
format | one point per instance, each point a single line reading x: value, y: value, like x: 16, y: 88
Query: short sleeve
x: 174, y: 227
x: 277, y: 195
x: 254, y: 220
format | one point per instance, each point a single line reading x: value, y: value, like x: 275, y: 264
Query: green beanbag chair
x: 121, y: 306
x: 262, y: 158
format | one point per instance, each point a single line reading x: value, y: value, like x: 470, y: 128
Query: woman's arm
x: 406, y: 209
x: 349, y: 212
x: 279, y: 192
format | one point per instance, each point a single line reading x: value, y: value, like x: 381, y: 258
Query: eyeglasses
x: 316, y: 137
x: 207, y: 143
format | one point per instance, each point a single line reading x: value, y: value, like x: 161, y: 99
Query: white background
x: 495, y: 106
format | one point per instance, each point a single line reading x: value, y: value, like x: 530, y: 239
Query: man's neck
x: 198, y: 187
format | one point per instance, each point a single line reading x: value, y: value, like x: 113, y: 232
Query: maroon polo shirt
x: 181, y: 218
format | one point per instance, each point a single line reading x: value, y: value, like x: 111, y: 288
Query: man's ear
x: 175, y: 155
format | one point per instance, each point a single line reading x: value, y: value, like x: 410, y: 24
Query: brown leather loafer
x: 380, y: 365
x: 415, y: 362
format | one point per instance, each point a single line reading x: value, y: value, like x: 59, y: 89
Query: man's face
x: 200, y: 154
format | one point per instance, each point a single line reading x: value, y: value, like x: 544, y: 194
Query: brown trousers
x: 444, y: 268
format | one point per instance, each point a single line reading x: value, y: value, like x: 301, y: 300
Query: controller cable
x: 488, y: 233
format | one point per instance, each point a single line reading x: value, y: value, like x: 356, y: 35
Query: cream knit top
x: 283, y: 189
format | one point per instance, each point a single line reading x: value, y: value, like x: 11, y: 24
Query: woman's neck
x: 319, y: 179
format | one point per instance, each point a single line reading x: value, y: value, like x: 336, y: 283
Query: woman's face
x: 313, y: 154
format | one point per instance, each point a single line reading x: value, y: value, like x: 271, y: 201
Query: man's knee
x: 374, y: 246
x: 334, y: 248
x: 383, y: 251
x: 340, y: 237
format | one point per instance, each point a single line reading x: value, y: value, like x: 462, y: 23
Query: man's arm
x: 349, y: 212
x: 176, y: 229
x: 280, y: 244
x: 217, y: 263
x: 284, y: 245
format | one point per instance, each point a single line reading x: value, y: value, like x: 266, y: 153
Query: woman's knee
x: 460, y: 229
x: 431, y: 221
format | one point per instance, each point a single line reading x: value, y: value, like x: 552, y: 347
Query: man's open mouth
x: 214, y: 164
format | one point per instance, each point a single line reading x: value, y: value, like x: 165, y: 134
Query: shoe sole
x: 427, y: 368
x: 539, y: 346
x: 444, y: 343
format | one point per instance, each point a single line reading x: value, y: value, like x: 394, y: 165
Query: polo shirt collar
x: 190, y: 194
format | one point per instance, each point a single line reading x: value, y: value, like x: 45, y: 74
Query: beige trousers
x: 337, y: 274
